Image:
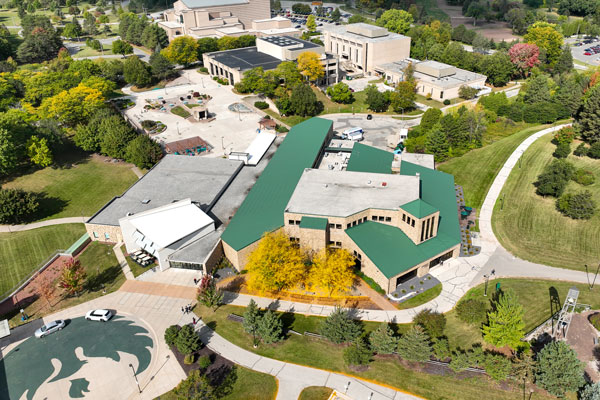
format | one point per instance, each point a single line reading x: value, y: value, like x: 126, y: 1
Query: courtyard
x: 228, y: 131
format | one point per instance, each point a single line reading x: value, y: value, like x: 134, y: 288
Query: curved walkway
x: 293, y: 378
x: 35, y: 225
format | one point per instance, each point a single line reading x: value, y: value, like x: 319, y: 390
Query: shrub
x: 562, y: 150
x: 441, y: 349
x: 515, y: 112
x: 432, y: 321
x: 558, y: 369
x: 338, y: 327
x: 171, y: 334
x: 577, y: 206
x: 203, y: 70
x: 261, y: 105
x: 17, y: 206
x: 459, y: 362
x: 472, y: 311
x: 204, y: 362
x: 553, y: 180
x: 446, y: 102
x: 340, y: 93
x: 581, y: 150
x: 594, y: 150
x: 357, y: 353
x: 187, y: 340
x: 497, y: 366
x: 467, y: 92
x: 565, y: 135
x: 281, y: 129
x: 414, y: 345
x: 584, y: 177
x: 595, y: 321
x: 188, y: 359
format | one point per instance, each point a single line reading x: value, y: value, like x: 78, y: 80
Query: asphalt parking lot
x: 578, y: 51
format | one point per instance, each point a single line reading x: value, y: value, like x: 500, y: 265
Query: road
x: 74, y: 47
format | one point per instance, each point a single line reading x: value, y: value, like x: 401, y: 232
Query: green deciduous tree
x: 382, y: 339
x: 340, y: 93
x: 558, y: 369
x: 195, y: 387
x: 303, y: 101
x: 270, y: 327
x: 376, y: 101
x: 143, y: 152
x: 136, y: 72
x: 311, y: 24
x: 121, y: 47
x: 403, y: 97
x: 38, y: 151
x: 431, y: 321
x: 338, y: 327
x: 8, y: 152
x: 505, y: 325
x: 545, y: 36
x: 182, y: 50
x: 207, y: 45
x: 115, y: 136
x: 414, y: 345
x: 397, y: 21
x: 17, y: 206
x: 553, y: 180
x: 160, y: 67
x: 498, y: 68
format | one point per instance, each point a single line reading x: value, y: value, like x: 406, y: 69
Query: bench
x: 235, y: 318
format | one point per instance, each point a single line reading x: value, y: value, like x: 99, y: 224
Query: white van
x: 354, y: 134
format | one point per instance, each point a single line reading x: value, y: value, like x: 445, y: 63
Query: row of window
x: 358, y: 221
x: 335, y: 244
x: 293, y: 222
x: 427, y: 228
x: 357, y: 255
x: 410, y: 221
x: 380, y: 218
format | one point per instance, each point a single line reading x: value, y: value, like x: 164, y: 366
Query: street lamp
x: 136, y: 379
x: 222, y: 143
x: 346, y: 386
x: 487, y: 277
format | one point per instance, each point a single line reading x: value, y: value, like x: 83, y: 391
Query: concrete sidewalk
x: 35, y: 225
x: 292, y: 377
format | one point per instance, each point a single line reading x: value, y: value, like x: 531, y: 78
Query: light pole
x: 487, y: 277
x: 346, y: 386
x: 223, y: 144
x: 136, y: 379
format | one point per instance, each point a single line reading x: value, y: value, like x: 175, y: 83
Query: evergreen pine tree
x: 588, y: 121
x: 437, y: 143
x: 558, y: 369
x: 414, y: 345
x: 187, y: 340
x: 270, y: 328
x: 339, y: 327
x: 382, y: 339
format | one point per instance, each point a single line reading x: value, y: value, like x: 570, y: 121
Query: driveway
x: 376, y: 130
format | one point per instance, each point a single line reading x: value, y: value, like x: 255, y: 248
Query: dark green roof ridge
x: 419, y: 208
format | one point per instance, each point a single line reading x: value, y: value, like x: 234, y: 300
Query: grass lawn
x: 88, y: 51
x: 530, y: 227
x: 136, y: 269
x: 315, y: 393
x: 430, y: 7
x: 103, y: 273
x: 322, y: 354
x: 78, y: 190
x: 421, y: 298
x: 23, y: 252
x: 249, y: 385
x: 179, y: 111
x: 475, y: 171
x: 430, y: 102
x: 540, y: 299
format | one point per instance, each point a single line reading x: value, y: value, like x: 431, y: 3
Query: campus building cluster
x: 189, y: 212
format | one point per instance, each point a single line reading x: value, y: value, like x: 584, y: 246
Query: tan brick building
x: 397, y: 225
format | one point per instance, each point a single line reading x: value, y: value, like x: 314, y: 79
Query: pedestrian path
x: 35, y: 225
x: 294, y: 378
x: 122, y: 261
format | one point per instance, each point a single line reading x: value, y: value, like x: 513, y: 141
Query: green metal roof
x: 419, y: 208
x: 390, y: 249
x: 313, y: 223
x: 262, y: 210
x: 370, y: 159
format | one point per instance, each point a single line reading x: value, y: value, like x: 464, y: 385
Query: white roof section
x: 259, y: 147
x: 168, y: 224
x: 231, y: 30
x: 276, y: 31
x: 171, y: 24
x: 4, y: 328
x: 277, y: 18
x: 343, y: 193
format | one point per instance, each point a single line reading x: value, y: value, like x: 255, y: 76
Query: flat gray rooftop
x: 199, y: 250
x: 175, y: 177
x: 342, y: 30
x: 424, y: 160
x: 344, y: 193
x: 461, y: 77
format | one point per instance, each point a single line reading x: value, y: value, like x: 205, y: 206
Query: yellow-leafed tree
x: 310, y: 66
x: 332, y: 270
x: 275, y: 264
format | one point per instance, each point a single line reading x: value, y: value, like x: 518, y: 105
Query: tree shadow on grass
x: 98, y: 281
x: 48, y: 206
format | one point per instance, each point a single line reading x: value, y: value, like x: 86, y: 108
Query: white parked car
x: 49, y: 328
x: 99, y: 315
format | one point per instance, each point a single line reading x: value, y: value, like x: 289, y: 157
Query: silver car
x: 49, y: 328
x: 99, y: 315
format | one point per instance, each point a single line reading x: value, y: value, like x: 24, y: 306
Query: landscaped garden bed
x: 179, y: 111
x: 153, y: 127
x: 124, y: 104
